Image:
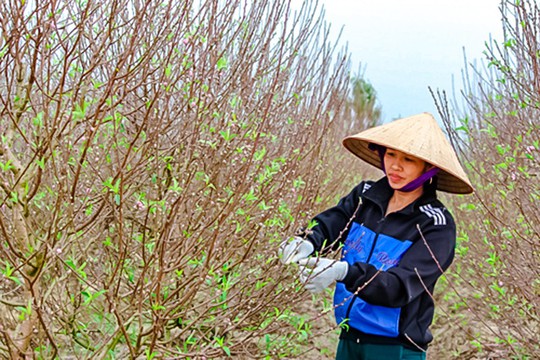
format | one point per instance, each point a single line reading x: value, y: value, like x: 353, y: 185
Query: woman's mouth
x: 394, y: 178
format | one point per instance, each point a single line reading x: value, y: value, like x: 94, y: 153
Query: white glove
x: 318, y: 273
x: 294, y: 249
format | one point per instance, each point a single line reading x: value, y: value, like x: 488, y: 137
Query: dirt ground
x: 325, y: 332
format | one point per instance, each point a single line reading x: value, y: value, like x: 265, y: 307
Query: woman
x: 397, y: 238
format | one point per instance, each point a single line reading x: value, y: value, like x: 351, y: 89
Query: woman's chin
x: 395, y: 185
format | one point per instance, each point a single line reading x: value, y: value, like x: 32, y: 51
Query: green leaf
x: 7, y: 166
x: 226, y: 134
x: 41, y: 163
x: 259, y: 154
x: 222, y: 63
x: 38, y: 120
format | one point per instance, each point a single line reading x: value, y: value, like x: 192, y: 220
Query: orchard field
x: 154, y: 154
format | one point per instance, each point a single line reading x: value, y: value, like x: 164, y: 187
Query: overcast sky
x: 404, y: 46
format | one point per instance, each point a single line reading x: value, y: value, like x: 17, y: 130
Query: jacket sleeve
x: 331, y: 225
x: 418, y: 270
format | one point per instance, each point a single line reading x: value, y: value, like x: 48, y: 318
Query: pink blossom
x: 529, y: 149
x: 139, y: 205
x: 513, y: 175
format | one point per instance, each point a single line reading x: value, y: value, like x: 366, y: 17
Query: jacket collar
x: 380, y: 193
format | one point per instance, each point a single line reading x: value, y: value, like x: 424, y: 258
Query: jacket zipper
x: 355, y: 296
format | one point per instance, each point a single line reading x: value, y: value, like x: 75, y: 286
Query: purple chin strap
x: 419, y: 181
x: 413, y: 185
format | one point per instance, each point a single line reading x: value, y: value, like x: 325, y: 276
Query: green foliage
x: 492, y: 289
x: 153, y: 158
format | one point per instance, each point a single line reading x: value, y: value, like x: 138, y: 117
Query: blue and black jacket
x: 394, y: 262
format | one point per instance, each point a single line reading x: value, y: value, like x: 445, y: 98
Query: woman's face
x: 402, y: 168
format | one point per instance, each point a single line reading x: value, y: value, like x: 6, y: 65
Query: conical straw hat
x: 417, y: 135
